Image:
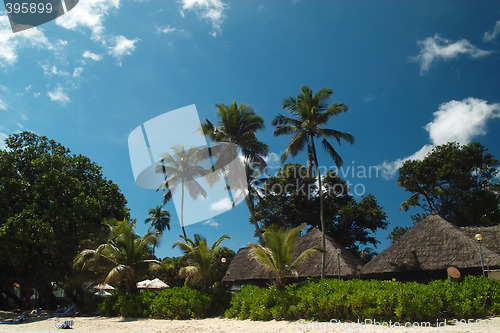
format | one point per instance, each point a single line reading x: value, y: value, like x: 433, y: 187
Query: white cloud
x: 11, y: 43
x: 272, y: 160
x: 490, y: 36
x: 221, y: 205
x: 91, y: 55
x: 211, y: 223
x: 122, y: 46
x: 52, y: 70
x: 166, y: 29
x: 3, y: 104
x: 58, y: 95
x: 459, y: 121
x: 77, y: 72
x: 389, y: 169
x: 435, y: 48
x: 88, y: 14
x: 3, y: 136
x: 210, y: 10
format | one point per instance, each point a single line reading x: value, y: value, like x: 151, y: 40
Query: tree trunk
x: 13, y: 297
x: 182, y: 210
x: 47, y: 298
x: 321, y: 217
x: 252, y: 214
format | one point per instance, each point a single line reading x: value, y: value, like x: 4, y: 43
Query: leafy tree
x: 236, y: 129
x: 277, y: 253
x: 456, y: 182
x: 182, y: 168
x: 309, y: 114
x: 397, y: 233
x: 50, y: 200
x: 291, y: 198
x: 160, y: 220
x: 123, y: 259
x: 202, y: 260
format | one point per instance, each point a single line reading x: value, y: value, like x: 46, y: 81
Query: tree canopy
x: 455, y: 181
x: 291, y: 198
x: 50, y: 200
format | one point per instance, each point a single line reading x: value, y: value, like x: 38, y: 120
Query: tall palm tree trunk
x: 182, y: 209
x: 254, y: 221
x: 321, y: 213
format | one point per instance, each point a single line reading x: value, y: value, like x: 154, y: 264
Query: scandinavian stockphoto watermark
x: 170, y: 153
x: 353, y: 176
x: 372, y: 324
x: 26, y: 14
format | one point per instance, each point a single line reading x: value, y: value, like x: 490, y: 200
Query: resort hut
x: 244, y: 269
x: 427, y: 250
x: 490, y: 236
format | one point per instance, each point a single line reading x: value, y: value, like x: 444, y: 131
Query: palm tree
x: 236, y: 130
x: 277, y: 254
x: 160, y: 220
x: 309, y: 114
x: 182, y: 168
x: 202, y: 259
x: 122, y: 259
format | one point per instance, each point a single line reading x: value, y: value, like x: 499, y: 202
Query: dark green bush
x: 324, y: 300
x: 173, y: 303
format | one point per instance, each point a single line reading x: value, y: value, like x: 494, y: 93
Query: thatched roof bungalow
x: 491, y: 236
x: 244, y: 269
x: 428, y: 249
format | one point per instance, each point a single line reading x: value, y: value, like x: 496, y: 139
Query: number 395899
x: 28, y: 7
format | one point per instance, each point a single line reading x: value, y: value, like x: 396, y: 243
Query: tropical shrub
x: 173, y: 303
x: 323, y: 300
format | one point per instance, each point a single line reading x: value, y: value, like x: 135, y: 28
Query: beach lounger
x: 66, y: 325
x: 21, y: 319
x: 70, y: 311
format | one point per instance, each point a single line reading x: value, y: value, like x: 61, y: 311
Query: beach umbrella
x: 157, y: 284
x: 103, y: 286
x: 102, y: 292
x: 143, y: 284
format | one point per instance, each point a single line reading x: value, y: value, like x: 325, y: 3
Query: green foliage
x: 291, y: 198
x: 456, y: 182
x: 50, y: 200
x: 122, y: 259
x: 173, y: 303
x: 277, y: 254
x: 323, y: 300
x: 204, y: 264
x: 236, y: 129
x: 397, y: 233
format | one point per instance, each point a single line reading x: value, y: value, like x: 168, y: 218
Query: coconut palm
x: 182, y: 168
x: 123, y: 259
x: 159, y: 220
x: 278, y: 253
x: 309, y: 113
x: 236, y: 130
x: 201, y: 259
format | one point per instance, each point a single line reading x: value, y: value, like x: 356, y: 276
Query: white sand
x: 126, y: 325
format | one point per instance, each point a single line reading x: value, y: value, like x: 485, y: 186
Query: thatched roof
x: 245, y: 268
x: 491, y: 236
x: 432, y: 245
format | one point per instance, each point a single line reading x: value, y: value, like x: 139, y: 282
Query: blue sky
x: 413, y: 73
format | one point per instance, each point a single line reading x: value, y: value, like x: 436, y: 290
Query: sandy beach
x: 131, y: 325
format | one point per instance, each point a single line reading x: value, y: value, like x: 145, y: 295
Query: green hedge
x: 323, y: 300
x: 173, y: 303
